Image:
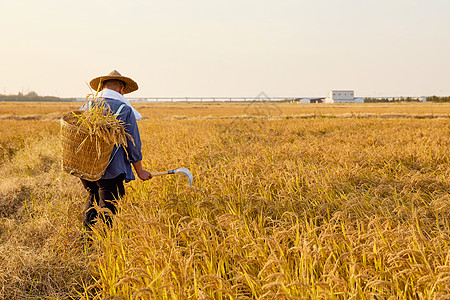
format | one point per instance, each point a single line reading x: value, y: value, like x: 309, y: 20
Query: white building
x: 342, y: 96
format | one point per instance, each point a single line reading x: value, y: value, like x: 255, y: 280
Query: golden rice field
x: 289, y: 202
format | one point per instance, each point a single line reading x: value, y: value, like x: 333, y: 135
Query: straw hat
x: 130, y: 84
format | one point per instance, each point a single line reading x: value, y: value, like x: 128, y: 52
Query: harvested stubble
x: 39, y: 216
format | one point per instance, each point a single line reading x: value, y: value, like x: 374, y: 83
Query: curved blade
x: 187, y: 173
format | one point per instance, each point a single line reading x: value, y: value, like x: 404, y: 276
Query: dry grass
x: 318, y: 208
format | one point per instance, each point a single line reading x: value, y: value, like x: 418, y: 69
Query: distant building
x: 342, y: 96
x: 309, y: 100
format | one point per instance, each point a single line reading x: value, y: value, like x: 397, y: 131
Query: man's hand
x: 144, y: 175
x: 141, y: 173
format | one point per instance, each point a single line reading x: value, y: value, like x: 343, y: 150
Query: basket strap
x: 117, y: 148
x: 114, y: 154
x: 119, y: 110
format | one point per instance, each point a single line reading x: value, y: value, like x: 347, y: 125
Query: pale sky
x: 227, y: 48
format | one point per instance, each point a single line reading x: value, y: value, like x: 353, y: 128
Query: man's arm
x: 134, y: 148
x: 141, y: 173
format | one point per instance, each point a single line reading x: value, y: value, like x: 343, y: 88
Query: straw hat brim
x: 130, y: 84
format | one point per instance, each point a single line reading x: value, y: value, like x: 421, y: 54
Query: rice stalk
x: 100, y: 124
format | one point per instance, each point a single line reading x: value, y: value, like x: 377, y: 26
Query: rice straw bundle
x: 101, y: 125
x: 88, y: 138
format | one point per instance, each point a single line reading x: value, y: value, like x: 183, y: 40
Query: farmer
x: 107, y: 190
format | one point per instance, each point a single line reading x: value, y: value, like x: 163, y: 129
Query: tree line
x: 32, y: 96
x: 407, y: 99
x: 438, y: 99
x: 400, y: 99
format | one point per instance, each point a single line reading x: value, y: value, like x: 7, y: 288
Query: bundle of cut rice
x: 88, y: 138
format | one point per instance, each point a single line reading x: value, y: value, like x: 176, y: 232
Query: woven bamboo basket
x: 83, y: 162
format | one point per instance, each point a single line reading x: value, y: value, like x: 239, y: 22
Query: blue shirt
x: 120, y: 163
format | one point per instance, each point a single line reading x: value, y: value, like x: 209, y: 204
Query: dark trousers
x: 104, y: 193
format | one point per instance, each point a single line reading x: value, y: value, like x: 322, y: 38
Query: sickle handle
x: 164, y: 173
x: 160, y: 173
